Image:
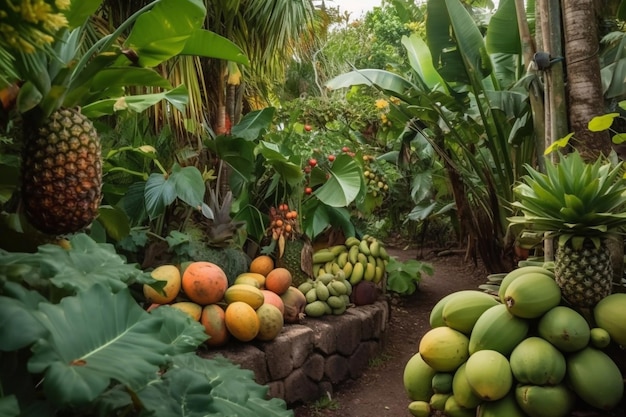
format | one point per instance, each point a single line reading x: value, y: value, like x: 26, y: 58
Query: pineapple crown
x: 573, y: 198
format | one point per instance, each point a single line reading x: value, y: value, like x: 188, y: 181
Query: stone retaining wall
x: 308, y: 360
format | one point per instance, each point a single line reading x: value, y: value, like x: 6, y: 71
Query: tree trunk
x: 585, y: 98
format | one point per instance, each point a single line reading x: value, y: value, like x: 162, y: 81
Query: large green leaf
x: 162, y: 32
x: 110, y: 78
x: 114, y: 221
x: 188, y: 184
x: 181, y: 392
x: 87, y: 263
x: 80, y: 10
x: 502, y: 32
x: 422, y: 62
x: 254, y: 124
x: 178, y: 98
x: 18, y: 327
x: 469, y: 39
x: 344, y: 183
x: 9, y: 406
x: 180, y: 331
x: 96, y: 337
x: 233, y: 390
x: 211, y: 45
x: 158, y: 193
x: 384, y: 79
x: 287, y: 170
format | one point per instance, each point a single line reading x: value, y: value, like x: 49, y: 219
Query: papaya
x: 454, y: 409
x: 488, y: 373
x: 609, y: 314
x: 435, y: 318
x: 532, y: 296
x: 462, y: 311
x: 565, y: 328
x: 417, y: 379
x: 498, y: 330
x: 596, y: 379
x: 544, y: 401
x: 246, y: 293
x: 444, y: 349
x: 504, y: 407
x: 536, y: 361
x: 462, y: 391
x: 519, y: 272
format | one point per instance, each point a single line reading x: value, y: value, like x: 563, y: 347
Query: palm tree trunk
x: 585, y: 99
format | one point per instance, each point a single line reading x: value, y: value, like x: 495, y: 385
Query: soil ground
x: 380, y: 391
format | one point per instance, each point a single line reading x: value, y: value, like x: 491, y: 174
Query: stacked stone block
x: 311, y: 359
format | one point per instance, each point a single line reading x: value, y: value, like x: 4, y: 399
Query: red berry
x: 308, y: 190
x: 307, y: 128
x: 345, y: 149
x: 307, y: 169
x: 312, y: 162
x: 331, y: 158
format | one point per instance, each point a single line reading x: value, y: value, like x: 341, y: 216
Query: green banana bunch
x: 326, y: 294
x: 357, y: 259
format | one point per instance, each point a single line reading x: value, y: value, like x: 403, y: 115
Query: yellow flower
x: 382, y: 103
x: 63, y: 4
x: 55, y: 22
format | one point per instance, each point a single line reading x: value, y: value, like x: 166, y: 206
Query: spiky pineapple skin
x: 292, y: 260
x: 585, y: 276
x: 62, y: 173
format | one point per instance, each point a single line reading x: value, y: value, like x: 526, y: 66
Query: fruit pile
x: 363, y: 259
x: 254, y: 307
x: 520, y: 354
x: 326, y: 294
x: 283, y: 222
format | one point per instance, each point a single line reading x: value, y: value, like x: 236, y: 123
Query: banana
x: 352, y: 241
x: 375, y: 248
x: 342, y: 259
x: 371, y: 260
x: 339, y: 287
x: 337, y: 249
x: 383, y: 253
x: 347, y: 269
x: 334, y: 268
x: 370, y: 272
x: 325, y: 278
x: 380, y: 263
x: 305, y: 286
x: 322, y: 256
x: 357, y: 273
x: 364, y: 247
x: 378, y: 276
x: 328, y: 266
x: 362, y: 258
x: 353, y: 253
x: 316, y: 269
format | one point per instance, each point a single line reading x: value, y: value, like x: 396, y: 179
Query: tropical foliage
x: 74, y: 340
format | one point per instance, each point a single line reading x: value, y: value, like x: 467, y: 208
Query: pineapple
x: 297, y: 257
x: 62, y: 173
x: 581, y: 204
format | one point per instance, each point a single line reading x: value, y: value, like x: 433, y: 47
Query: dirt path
x: 380, y: 391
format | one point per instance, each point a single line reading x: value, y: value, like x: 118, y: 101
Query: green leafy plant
x: 79, y: 343
x: 403, y: 277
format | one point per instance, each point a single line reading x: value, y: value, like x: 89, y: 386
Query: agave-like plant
x: 581, y: 204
